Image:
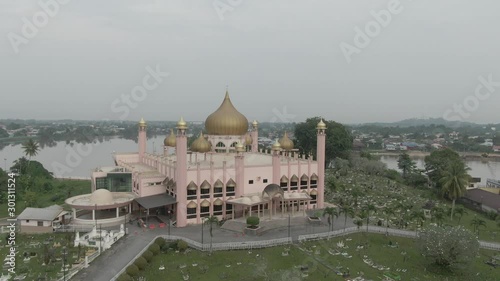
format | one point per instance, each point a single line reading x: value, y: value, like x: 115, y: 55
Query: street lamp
x: 202, y: 233
x: 288, y: 224
x: 5, y: 164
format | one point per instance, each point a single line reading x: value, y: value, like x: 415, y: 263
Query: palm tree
x: 347, y: 210
x: 438, y: 215
x: 418, y: 216
x: 476, y: 223
x: 454, y: 181
x: 388, y: 211
x: 368, y: 209
x: 332, y: 213
x: 210, y: 221
x: 460, y: 211
x: 31, y: 149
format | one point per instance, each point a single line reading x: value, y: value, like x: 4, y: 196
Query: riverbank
x: 422, y: 154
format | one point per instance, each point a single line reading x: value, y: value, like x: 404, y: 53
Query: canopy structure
x: 155, y: 201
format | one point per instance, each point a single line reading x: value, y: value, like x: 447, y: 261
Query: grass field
x: 397, y: 256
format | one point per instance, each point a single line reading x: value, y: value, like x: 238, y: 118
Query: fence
x: 75, y: 268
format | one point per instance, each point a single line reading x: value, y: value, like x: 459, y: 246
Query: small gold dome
x: 321, y: 125
x: 182, y: 124
x: 170, y: 140
x: 201, y: 144
x: 239, y: 147
x: 276, y: 146
x: 255, y: 123
x: 285, y: 142
x: 142, y: 123
x: 248, y: 139
x: 226, y: 120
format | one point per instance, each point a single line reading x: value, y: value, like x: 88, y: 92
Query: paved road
x: 113, y: 260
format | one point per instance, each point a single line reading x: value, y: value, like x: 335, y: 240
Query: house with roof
x: 482, y: 200
x: 40, y: 220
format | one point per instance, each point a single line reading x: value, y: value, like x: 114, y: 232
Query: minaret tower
x: 239, y: 166
x: 255, y: 136
x: 142, y: 139
x: 320, y: 157
x: 276, y: 149
x: 181, y: 172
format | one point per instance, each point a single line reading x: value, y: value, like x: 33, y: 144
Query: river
x: 480, y: 169
x: 77, y: 160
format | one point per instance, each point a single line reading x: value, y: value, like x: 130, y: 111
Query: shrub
x: 448, y: 246
x: 154, y: 248
x: 141, y: 263
x: 182, y: 245
x: 492, y: 215
x: 160, y: 241
x: 253, y: 221
x: 148, y: 255
x: 124, y: 277
x: 169, y: 245
x: 132, y: 270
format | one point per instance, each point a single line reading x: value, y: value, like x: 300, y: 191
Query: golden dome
x: 226, y: 120
x: 182, y: 124
x: 321, y: 125
x: 255, y: 123
x: 239, y: 147
x: 276, y: 145
x: 201, y: 144
x: 248, y: 139
x: 142, y: 123
x: 170, y: 140
x: 285, y: 142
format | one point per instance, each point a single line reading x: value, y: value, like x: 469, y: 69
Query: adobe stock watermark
x: 223, y: 6
x: 282, y: 116
x: 76, y: 154
x: 150, y: 82
x: 363, y: 37
x: 40, y: 19
x: 471, y: 103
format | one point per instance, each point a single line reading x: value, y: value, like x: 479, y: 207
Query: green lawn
x: 402, y: 260
x: 61, y: 188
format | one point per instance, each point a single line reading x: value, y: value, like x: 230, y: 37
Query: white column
x: 130, y: 208
x: 258, y: 210
x: 93, y: 215
x: 117, y: 212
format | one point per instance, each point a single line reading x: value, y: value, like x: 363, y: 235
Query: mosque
x: 223, y: 173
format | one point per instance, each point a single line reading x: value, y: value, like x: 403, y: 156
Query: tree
x: 418, y: 216
x: 368, y: 209
x: 437, y: 162
x: 347, y: 210
x: 460, y: 211
x: 454, y: 182
x: 30, y: 198
x: 30, y: 149
x: 331, y: 213
x: 448, y: 246
x: 338, y: 138
x: 388, y: 212
x: 477, y: 223
x: 210, y: 221
x: 405, y: 164
x: 438, y: 215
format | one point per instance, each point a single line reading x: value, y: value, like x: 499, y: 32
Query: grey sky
x: 272, y: 54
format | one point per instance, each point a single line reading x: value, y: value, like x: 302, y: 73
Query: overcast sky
x: 282, y: 59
